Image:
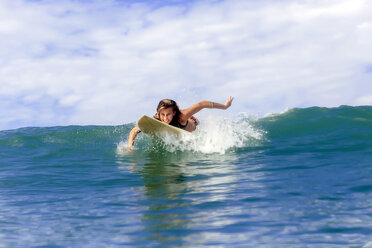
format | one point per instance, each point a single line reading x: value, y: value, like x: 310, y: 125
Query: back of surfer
x: 169, y: 113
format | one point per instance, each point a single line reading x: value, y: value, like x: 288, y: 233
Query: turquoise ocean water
x: 302, y: 178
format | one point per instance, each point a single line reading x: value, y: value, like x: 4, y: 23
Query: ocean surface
x: 302, y: 178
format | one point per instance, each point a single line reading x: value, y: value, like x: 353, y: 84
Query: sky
x: 72, y: 62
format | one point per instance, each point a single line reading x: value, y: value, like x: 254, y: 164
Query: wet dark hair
x: 168, y: 103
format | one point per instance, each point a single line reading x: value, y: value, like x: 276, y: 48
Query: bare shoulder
x: 183, y: 117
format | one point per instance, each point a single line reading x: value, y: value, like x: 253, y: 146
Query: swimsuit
x: 179, y: 125
x: 194, y: 120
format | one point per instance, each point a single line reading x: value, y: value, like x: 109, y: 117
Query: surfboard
x: 154, y: 127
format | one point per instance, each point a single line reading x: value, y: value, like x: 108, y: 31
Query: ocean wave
x: 342, y: 125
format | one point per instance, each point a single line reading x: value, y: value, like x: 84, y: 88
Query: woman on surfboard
x: 169, y: 113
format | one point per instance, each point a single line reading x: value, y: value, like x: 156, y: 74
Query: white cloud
x: 364, y: 100
x: 96, y: 62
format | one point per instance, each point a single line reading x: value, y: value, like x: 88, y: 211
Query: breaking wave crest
x: 213, y: 135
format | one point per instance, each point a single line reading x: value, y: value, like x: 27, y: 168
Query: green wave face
x: 342, y: 127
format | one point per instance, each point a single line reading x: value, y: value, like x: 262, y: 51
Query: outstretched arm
x: 187, y: 113
x: 132, y: 135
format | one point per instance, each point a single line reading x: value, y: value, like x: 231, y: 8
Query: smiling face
x: 166, y: 115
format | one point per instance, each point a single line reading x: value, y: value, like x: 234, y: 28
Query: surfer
x: 169, y: 113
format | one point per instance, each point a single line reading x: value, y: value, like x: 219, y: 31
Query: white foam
x: 121, y: 148
x: 216, y: 135
x: 213, y: 135
x: 368, y: 245
x: 286, y: 110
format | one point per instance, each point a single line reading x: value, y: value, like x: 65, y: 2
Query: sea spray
x: 213, y: 135
x: 218, y: 135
